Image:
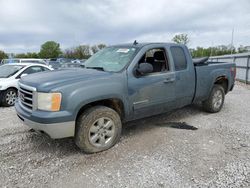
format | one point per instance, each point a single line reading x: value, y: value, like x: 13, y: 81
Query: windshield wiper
x: 97, y: 68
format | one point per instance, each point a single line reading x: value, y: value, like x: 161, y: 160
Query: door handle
x: 167, y: 80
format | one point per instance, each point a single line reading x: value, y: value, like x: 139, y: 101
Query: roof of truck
x: 140, y: 45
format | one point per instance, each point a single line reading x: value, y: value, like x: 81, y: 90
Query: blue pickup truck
x: 118, y: 84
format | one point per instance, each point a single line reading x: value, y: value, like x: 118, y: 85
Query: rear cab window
x: 179, y: 57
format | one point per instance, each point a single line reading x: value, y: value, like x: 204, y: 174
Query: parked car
x: 65, y: 64
x: 27, y: 60
x: 9, y: 77
x: 55, y: 64
x: 61, y: 60
x: 78, y: 61
x: 119, y: 84
x: 72, y: 65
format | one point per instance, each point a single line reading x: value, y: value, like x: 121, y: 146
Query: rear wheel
x: 9, y: 97
x: 98, y: 129
x: 216, y: 100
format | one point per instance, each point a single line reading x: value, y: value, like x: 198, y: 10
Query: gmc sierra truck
x: 118, y: 84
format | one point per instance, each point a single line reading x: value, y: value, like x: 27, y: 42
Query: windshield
x: 111, y: 59
x: 9, y: 70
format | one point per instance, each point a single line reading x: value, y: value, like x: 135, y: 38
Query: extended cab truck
x: 119, y: 84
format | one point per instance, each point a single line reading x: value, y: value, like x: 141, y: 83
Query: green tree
x: 21, y: 55
x: 83, y: 52
x: 242, y: 49
x: 3, y: 55
x: 27, y: 55
x: 101, y: 46
x: 98, y: 47
x: 212, y: 51
x: 181, y: 39
x: 50, y: 49
x: 79, y: 52
x: 32, y: 55
x: 94, y: 49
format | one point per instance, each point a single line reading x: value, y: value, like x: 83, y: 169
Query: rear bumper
x: 231, y: 89
x: 54, y: 129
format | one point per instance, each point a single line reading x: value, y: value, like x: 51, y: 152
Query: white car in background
x: 9, y: 77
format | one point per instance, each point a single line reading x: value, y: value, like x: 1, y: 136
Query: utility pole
x: 211, y: 52
x: 232, y: 41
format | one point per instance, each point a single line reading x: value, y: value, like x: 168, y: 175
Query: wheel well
x: 223, y: 81
x: 115, y: 104
x: 12, y: 88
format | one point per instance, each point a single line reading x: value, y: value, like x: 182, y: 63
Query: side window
x: 45, y: 69
x: 180, y: 61
x: 33, y: 69
x: 157, y: 58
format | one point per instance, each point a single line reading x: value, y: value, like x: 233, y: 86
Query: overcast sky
x: 26, y: 24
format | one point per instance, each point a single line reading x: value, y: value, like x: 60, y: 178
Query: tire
x: 216, y: 100
x: 9, y: 97
x: 97, y: 129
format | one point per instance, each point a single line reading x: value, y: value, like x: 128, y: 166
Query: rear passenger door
x: 184, y: 74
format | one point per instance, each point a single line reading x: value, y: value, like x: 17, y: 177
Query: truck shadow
x: 179, y: 125
x: 66, y: 146
x: 168, y: 120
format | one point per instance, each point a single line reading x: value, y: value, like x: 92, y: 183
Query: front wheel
x: 216, y: 100
x: 9, y: 97
x: 98, y: 129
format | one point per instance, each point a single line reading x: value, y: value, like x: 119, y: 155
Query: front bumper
x: 55, y: 129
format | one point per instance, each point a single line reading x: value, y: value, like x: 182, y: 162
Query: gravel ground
x: 187, y: 148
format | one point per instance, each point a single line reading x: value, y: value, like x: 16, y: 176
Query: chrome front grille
x: 26, y: 96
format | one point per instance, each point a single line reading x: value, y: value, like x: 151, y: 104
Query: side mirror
x: 145, y: 68
x: 23, y: 75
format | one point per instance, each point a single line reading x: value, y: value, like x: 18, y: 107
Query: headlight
x: 49, y: 101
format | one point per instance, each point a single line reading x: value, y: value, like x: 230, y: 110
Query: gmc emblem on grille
x: 21, y: 96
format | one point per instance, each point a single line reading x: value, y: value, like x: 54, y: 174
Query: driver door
x: 153, y: 93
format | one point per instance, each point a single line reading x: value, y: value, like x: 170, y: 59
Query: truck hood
x: 53, y: 79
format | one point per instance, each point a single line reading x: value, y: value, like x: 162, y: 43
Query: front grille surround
x: 27, y: 96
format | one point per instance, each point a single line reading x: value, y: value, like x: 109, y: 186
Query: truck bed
x: 206, y: 75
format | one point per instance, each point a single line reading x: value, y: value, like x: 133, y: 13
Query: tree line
x: 210, y: 51
x: 51, y: 49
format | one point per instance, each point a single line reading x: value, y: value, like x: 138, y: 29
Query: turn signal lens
x: 56, y: 101
x: 49, y: 101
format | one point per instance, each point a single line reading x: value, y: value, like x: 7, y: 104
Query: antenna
x: 135, y: 42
